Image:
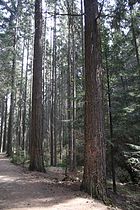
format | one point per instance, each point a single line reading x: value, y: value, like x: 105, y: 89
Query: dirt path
x: 23, y: 190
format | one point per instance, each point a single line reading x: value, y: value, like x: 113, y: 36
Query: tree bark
x: 69, y: 102
x: 94, y: 178
x: 36, y: 150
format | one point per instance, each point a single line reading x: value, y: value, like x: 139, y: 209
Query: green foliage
x: 20, y: 158
x: 119, y: 41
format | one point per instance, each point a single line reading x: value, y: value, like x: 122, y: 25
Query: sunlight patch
x: 7, y: 178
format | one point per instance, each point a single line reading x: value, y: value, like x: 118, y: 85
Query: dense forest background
x: 63, y: 79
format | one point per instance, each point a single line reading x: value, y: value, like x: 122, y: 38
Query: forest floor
x: 21, y: 189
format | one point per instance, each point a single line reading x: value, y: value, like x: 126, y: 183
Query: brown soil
x: 24, y: 190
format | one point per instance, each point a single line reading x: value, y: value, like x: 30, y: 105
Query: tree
x: 11, y: 114
x: 36, y: 151
x: 94, y: 178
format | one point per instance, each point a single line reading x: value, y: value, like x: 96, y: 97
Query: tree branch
x: 65, y: 14
x: 101, y: 8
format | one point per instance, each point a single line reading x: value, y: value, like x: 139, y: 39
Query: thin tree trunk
x: 69, y: 104
x: 28, y: 140
x: 19, y: 126
x: 51, y: 101
x: 52, y: 118
x: 25, y: 99
x: 82, y: 40
x: 5, y: 127
x: 53, y: 108
x: 55, y: 90
x: 11, y: 113
x: 44, y: 79
x: 73, y: 92
x: 111, y: 129
x: 1, y: 129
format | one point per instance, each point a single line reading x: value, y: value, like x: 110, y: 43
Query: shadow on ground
x: 21, y: 189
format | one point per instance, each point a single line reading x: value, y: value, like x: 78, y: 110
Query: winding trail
x: 24, y: 190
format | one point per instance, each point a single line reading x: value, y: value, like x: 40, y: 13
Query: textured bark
x: 69, y: 105
x: 36, y: 151
x: 94, y: 178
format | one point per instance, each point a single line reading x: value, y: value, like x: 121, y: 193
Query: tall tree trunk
x: 44, y: 60
x: 19, y: 112
x: 11, y: 113
x: 2, y: 121
x: 69, y: 104
x: 5, y: 127
x: 50, y: 121
x: 12, y: 99
x: 54, y: 95
x: 55, y: 90
x: 25, y: 100
x: 111, y: 128
x: 73, y: 69
x: 36, y: 150
x: 94, y: 178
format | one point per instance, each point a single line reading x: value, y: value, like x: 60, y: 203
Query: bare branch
x: 101, y: 8
x: 65, y: 14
